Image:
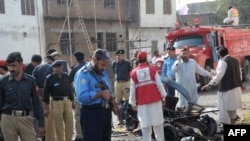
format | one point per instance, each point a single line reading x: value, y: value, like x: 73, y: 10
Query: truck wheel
x: 246, y: 70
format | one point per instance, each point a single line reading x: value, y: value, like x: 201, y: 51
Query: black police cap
x: 57, y: 63
x: 121, y: 51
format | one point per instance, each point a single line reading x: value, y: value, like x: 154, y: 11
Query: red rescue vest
x: 145, y: 85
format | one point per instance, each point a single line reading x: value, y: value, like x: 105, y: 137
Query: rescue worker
x: 58, y: 86
x: 146, y: 95
x: 19, y: 102
x: 95, y: 109
x: 233, y: 15
x: 121, y: 68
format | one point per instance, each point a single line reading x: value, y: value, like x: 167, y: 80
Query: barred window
x: 63, y: 1
x: 2, y: 7
x: 167, y: 7
x: 150, y: 6
x: 28, y: 7
x: 100, y: 40
x: 111, y: 42
x: 65, y: 43
x: 109, y: 3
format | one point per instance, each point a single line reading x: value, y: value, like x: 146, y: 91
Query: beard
x: 185, y: 59
x: 97, y: 70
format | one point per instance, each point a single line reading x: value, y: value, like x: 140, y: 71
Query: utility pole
x: 69, y: 31
x: 95, y: 24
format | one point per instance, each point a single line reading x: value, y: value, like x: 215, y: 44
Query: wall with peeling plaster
x: 24, y: 33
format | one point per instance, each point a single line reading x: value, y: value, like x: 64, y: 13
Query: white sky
x: 194, y: 1
x: 180, y: 3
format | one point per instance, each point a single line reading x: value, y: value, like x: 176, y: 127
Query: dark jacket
x: 231, y: 78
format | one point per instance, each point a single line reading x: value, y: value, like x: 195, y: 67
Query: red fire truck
x: 203, y: 41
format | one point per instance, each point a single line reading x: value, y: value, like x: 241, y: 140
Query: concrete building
x: 21, y: 28
x: 154, y: 20
x: 106, y: 22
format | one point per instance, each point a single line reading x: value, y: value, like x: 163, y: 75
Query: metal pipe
x: 95, y: 23
x: 69, y: 30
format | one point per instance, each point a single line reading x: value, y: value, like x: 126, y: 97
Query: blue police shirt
x: 86, y: 85
x: 167, y: 67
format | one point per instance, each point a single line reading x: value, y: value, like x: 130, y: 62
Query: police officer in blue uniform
x: 167, y: 69
x: 95, y: 109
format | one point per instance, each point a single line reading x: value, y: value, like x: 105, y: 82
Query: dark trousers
x: 95, y: 123
x: 170, y: 91
x: 123, y: 111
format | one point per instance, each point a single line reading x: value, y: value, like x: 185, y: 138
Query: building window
x: 28, y: 7
x: 167, y: 7
x: 111, y: 42
x: 150, y: 6
x: 2, y: 7
x: 63, y: 1
x: 100, y: 40
x: 109, y: 3
x: 65, y: 43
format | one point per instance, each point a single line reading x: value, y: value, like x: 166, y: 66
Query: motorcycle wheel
x: 211, y: 126
x: 131, y: 124
x: 170, y: 133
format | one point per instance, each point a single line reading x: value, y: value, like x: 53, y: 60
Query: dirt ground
x: 207, y: 99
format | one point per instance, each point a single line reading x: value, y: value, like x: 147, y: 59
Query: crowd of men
x: 76, y: 103
x: 41, y: 90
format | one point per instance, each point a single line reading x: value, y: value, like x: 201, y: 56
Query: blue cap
x: 57, y: 63
x: 171, y: 48
x: 102, y: 54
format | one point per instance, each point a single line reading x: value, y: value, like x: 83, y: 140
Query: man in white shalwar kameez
x: 228, y: 77
x: 186, y: 69
x: 146, y: 95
